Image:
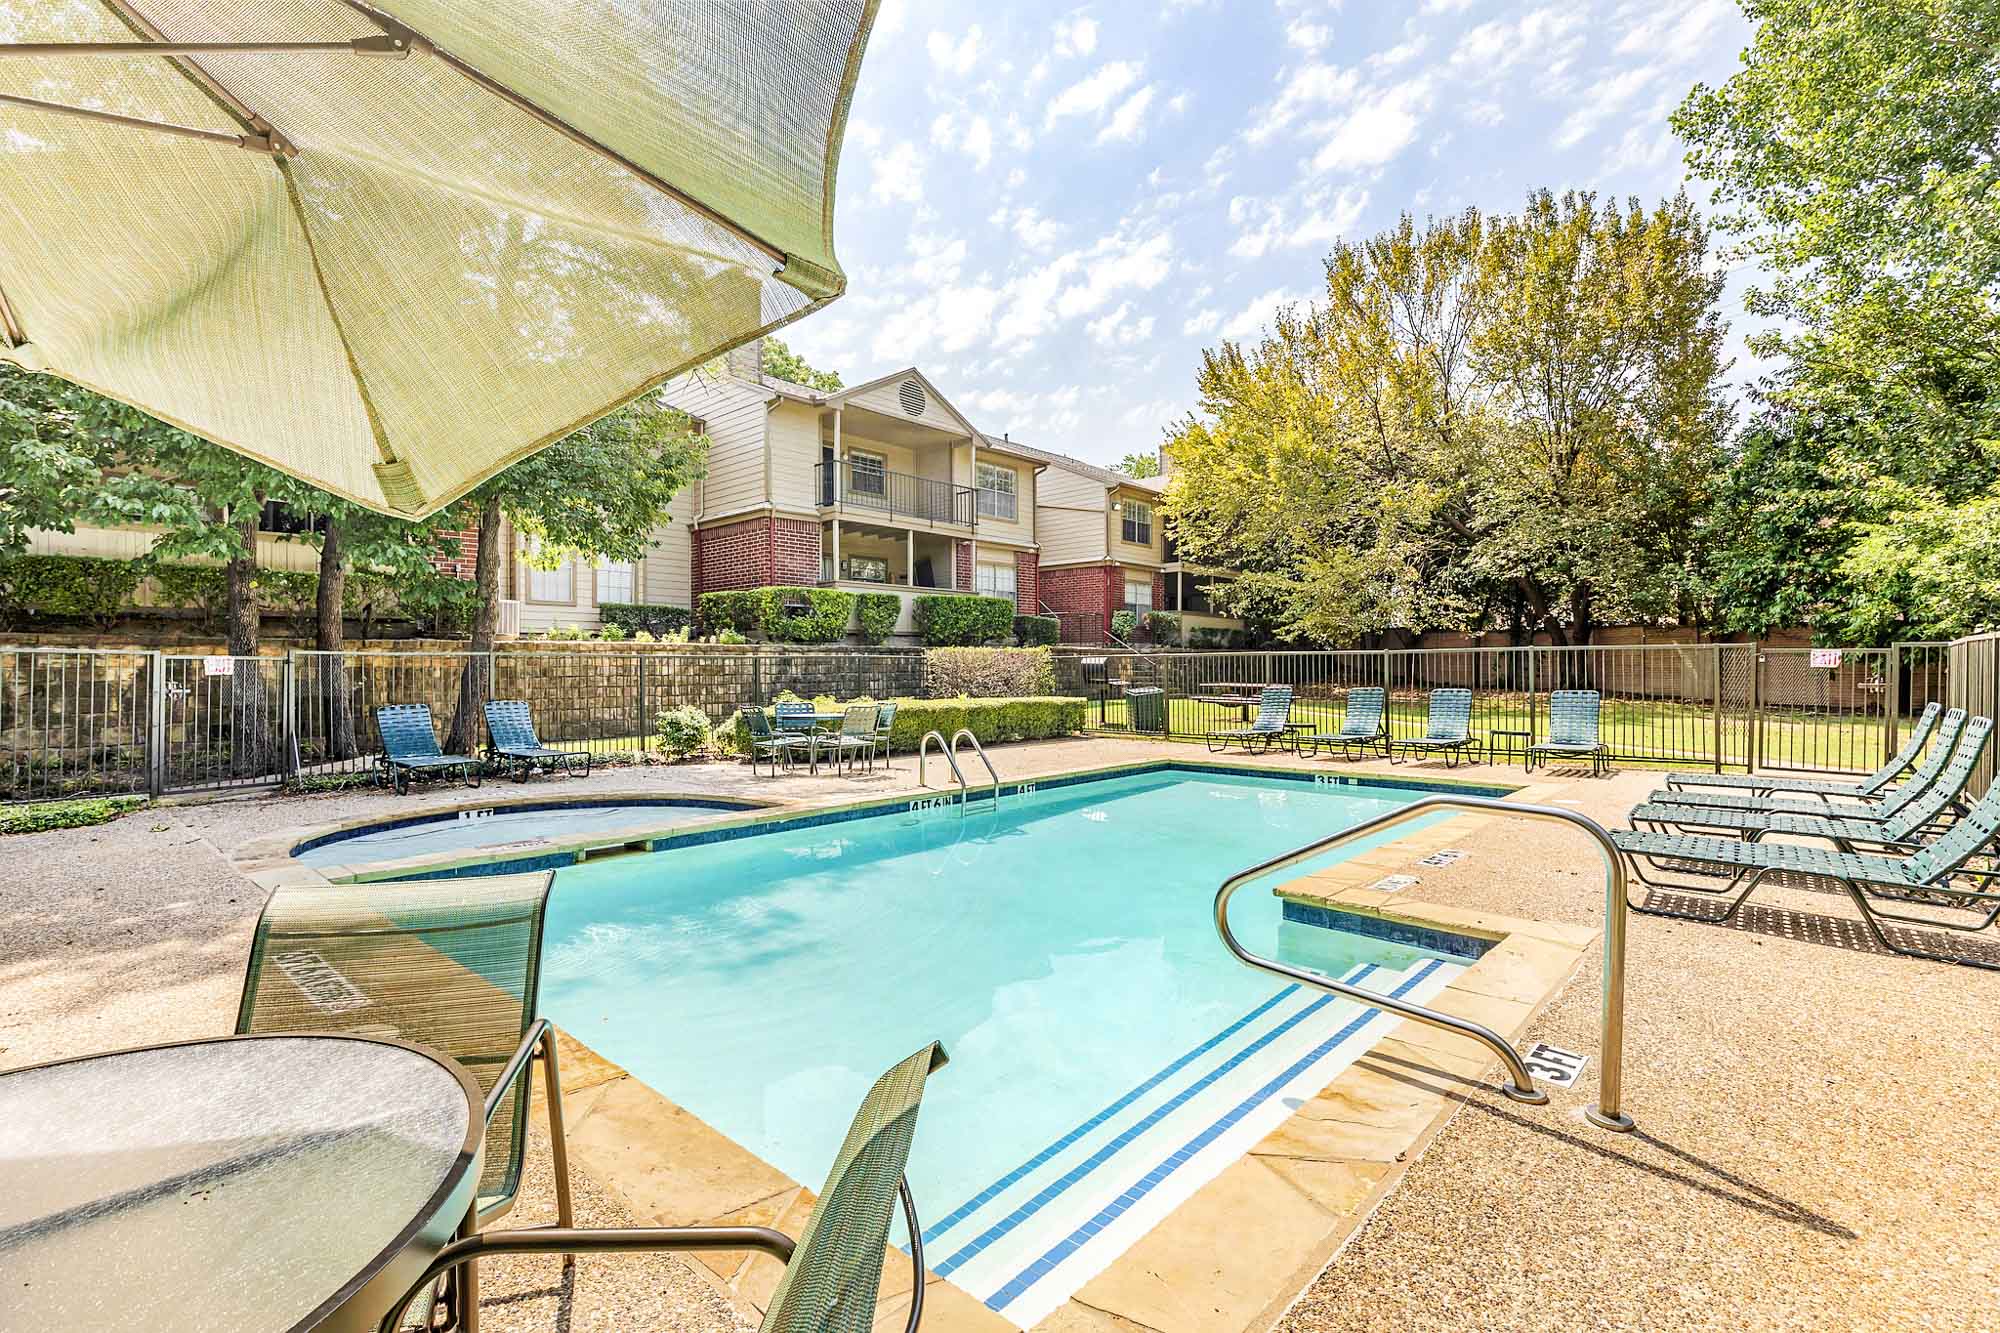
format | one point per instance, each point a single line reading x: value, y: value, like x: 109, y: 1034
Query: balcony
x: 852, y: 486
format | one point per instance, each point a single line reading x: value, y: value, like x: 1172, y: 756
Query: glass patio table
x: 266, y: 1183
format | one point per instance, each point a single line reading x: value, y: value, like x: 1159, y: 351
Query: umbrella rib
x: 193, y: 71
x: 10, y: 323
x: 571, y: 132
x: 255, y: 143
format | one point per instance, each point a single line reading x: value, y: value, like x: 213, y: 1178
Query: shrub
x: 988, y: 673
x: 682, y: 731
x: 879, y: 613
x: 63, y: 585
x: 1037, y: 631
x: 41, y: 817
x: 633, y: 617
x: 829, y: 612
x: 738, y: 609
x: 728, y: 636
x: 641, y: 636
x: 1124, y: 624
x: 1164, y: 626
x: 1216, y: 636
x: 955, y: 620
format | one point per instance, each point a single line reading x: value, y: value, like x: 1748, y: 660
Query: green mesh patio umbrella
x: 392, y: 248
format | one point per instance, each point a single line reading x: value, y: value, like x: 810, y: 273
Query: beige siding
x: 794, y: 429
x: 887, y: 399
x: 733, y: 414
x: 667, y: 574
x: 1152, y: 553
x: 1070, y: 517
x: 1022, y: 528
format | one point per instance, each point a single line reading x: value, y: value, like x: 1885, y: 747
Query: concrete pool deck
x: 1813, y: 1118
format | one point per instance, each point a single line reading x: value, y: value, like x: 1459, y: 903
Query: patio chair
x: 1447, y: 728
x: 1895, y: 826
x: 833, y: 1272
x: 1923, y: 877
x: 1763, y: 784
x: 452, y: 964
x: 511, y: 742
x: 410, y: 747
x: 1574, y: 726
x: 1273, y: 722
x: 856, y: 738
x: 764, y: 742
x: 1361, y: 727
x: 885, y: 726
x: 797, y: 725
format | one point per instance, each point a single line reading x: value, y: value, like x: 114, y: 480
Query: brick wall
x: 1083, y: 589
x: 1027, y: 583
x: 961, y: 564
x: 795, y: 552
x: 732, y: 555
x: 465, y: 563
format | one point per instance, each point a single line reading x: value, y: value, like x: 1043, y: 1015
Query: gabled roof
x: 1102, y: 474
x: 908, y: 372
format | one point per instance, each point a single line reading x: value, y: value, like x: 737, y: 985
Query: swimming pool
x: 1108, y: 1056
x: 525, y: 826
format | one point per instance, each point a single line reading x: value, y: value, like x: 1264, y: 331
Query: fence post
x: 288, y: 726
x: 1756, y: 746
x: 642, y: 701
x: 1530, y: 651
x: 1715, y: 685
x: 156, y: 725
x: 1892, y: 698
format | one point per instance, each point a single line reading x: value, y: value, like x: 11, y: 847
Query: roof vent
x: 911, y: 395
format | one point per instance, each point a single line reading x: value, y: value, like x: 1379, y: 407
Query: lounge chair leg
x: 467, y: 1283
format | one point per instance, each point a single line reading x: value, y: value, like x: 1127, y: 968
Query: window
x: 866, y: 473
x: 864, y: 568
x: 553, y: 585
x: 994, y: 580
x: 277, y: 516
x: 1139, y: 595
x: 1138, y: 523
x: 615, y: 580
x: 996, y: 491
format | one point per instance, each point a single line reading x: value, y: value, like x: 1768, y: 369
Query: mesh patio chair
x: 1922, y: 878
x: 833, y: 1272
x: 764, y: 742
x: 452, y: 964
x: 798, y: 727
x: 1361, y: 727
x: 1273, y: 722
x: 1447, y: 728
x: 856, y: 739
x: 1894, y: 826
x: 1890, y: 802
x: 885, y: 725
x: 512, y: 743
x: 1763, y: 784
x: 410, y: 747
x: 1574, y: 726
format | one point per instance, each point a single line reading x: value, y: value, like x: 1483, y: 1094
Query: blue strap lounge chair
x: 410, y: 748
x: 1574, y: 731
x: 1891, y: 800
x: 1361, y: 727
x: 1447, y: 728
x: 1763, y: 784
x: 1272, y: 724
x: 512, y: 743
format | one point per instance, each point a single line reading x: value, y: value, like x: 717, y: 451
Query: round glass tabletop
x: 248, y: 1183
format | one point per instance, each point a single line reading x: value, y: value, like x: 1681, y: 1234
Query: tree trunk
x: 473, y: 683
x: 250, y: 751
x: 330, y: 636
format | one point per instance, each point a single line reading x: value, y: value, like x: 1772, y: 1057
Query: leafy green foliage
x: 1124, y: 624
x: 1037, y: 631
x: 1164, y: 626
x: 878, y: 612
x: 997, y: 673
x: 783, y: 362
x: 827, y: 615
x: 740, y: 610
x: 78, y: 587
x: 1138, y: 465
x: 946, y: 620
x: 46, y: 815
x: 650, y: 618
x: 682, y: 732
x: 58, y: 444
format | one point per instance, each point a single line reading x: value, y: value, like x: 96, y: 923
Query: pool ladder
x: 949, y: 750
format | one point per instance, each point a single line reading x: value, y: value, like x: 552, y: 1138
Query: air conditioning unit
x: 509, y: 626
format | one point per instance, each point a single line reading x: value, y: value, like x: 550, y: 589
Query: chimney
x: 747, y: 362
x: 1166, y: 462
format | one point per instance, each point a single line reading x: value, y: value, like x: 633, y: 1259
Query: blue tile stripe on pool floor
x: 1131, y: 1134
x: 1180, y: 1157
x: 1013, y: 1177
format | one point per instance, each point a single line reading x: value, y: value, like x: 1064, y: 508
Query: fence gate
x: 1823, y: 709
x: 219, y: 722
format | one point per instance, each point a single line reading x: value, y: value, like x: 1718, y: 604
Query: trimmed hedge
x: 1037, y: 631
x: 90, y: 588
x: 988, y: 673
x: 48, y: 815
x: 879, y: 612
x: 740, y: 609
x: 955, y: 620
x: 635, y: 616
x: 830, y: 613
x: 1124, y: 624
x: 65, y: 585
x: 991, y: 720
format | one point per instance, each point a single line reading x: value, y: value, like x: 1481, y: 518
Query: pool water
x: 1108, y: 1055
x: 470, y: 830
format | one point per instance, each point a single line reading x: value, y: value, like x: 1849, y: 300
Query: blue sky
x: 1052, y: 209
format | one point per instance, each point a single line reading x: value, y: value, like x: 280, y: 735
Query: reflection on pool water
x: 1108, y: 1055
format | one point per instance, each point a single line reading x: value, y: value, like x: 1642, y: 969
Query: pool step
x: 1027, y: 1242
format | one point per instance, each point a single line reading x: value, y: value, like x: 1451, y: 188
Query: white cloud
x: 1115, y: 263
x: 1307, y: 36
x: 1201, y: 323
x: 935, y: 260
x: 1092, y: 94
x: 1076, y: 36
x: 1249, y: 321
x: 1448, y: 6
x: 898, y: 176
x: 1607, y: 98
x: 1119, y: 329
x: 1129, y: 121
x: 1400, y: 54
x: 948, y: 319
x: 1304, y: 88
x: 1380, y: 127
x: 957, y: 57
x: 1270, y: 224
x: 1675, y: 34
x: 1035, y: 231
x: 865, y: 133
x: 1547, y: 39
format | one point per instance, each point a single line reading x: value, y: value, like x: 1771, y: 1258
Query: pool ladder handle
x: 1521, y: 1086
x: 979, y: 750
x: 946, y: 749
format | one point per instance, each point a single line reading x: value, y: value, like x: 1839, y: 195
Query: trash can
x: 1146, y: 709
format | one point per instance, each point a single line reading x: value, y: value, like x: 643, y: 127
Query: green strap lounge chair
x: 452, y: 964
x: 856, y: 738
x: 1574, y: 731
x: 1763, y: 784
x: 1833, y: 807
x: 765, y: 744
x: 833, y: 1272
x: 1930, y: 876
x: 1362, y: 729
x: 410, y: 748
x: 512, y: 743
x: 1895, y: 826
x: 1447, y: 728
x: 885, y: 726
x: 1271, y: 726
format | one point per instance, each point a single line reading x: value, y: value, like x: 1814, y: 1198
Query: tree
x: 596, y: 494
x: 59, y: 445
x: 783, y: 362
x: 1138, y: 465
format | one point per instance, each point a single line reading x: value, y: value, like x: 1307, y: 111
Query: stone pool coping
x: 1238, y: 1252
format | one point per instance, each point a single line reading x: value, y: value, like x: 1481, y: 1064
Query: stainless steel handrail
x: 1611, y: 1035
x: 979, y: 750
x: 945, y: 749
